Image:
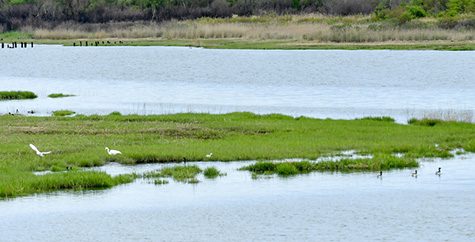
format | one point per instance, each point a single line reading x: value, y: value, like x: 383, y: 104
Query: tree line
x: 15, y: 14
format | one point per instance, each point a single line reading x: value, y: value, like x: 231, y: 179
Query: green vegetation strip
x: 79, y: 141
x: 11, y: 95
x: 58, y: 95
x: 377, y: 163
x: 63, y: 113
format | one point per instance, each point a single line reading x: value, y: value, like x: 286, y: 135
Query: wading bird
x: 39, y: 152
x: 414, y: 174
x: 113, y: 152
x: 380, y: 175
x: 208, y: 156
x: 438, y: 172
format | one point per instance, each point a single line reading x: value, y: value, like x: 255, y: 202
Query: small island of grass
x: 58, y: 95
x: 15, y: 95
x: 63, y: 113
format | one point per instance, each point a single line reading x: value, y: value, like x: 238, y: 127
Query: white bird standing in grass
x: 39, y: 152
x: 209, y: 155
x: 113, y: 152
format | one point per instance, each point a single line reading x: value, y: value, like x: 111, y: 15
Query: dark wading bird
x: 414, y: 174
x: 380, y: 175
x: 438, y: 172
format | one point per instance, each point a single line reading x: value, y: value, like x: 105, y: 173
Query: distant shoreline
x: 268, y: 32
x: 262, y: 45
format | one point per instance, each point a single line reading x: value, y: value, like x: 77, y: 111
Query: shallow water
x: 314, y: 207
x: 315, y: 83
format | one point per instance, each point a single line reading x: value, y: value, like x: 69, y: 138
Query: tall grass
x: 303, y: 28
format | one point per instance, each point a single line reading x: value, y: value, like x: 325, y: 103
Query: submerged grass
x: 79, y: 141
x: 11, y: 95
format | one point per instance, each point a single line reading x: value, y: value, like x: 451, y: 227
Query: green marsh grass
x: 212, y: 172
x: 63, y: 113
x: 377, y: 163
x: 79, y: 141
x: 58, y: 95
x: 12, y: 95
x: 184, y: 174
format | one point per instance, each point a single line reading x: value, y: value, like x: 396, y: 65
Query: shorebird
x: 380, y: 175
x: 438, y: 172
x: 39, y: 152
x: 414, y: 174
x: 113, y: 152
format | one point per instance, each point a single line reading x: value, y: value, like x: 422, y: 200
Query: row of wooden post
x: 15, y: 45
x: 95, y: 43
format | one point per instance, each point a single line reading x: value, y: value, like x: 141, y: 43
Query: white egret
x: 209, y: 155
x: 113, y: 152
x: 39, y: 152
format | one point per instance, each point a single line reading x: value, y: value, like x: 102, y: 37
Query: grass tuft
x: 62, y: 113
x: 184, y: 174
x: 212, y: 172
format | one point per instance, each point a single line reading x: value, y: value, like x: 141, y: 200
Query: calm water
x: 313, y: 207
x: 156, y: 80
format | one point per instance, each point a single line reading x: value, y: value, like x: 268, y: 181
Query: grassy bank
x: 79, y: 141
x: 265, y: 32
